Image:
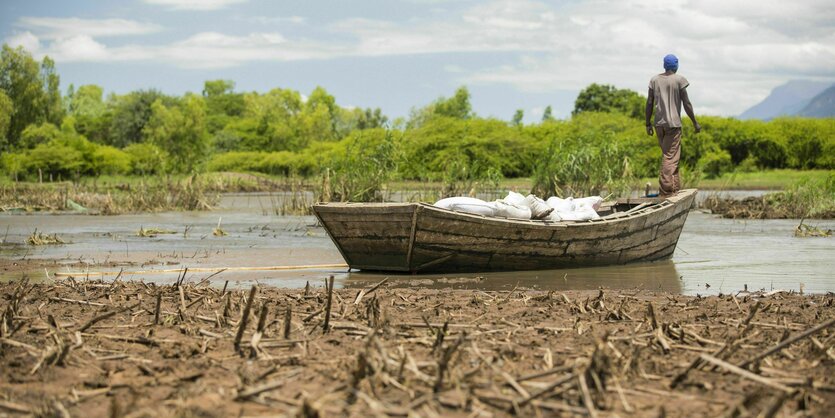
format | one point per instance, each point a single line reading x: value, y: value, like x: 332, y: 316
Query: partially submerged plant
x: 805, y: 231
x: 152, y: 232
x: 217, y: 231
x: 39, y: 238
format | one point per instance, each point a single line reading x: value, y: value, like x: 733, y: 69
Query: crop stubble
x: 127, y: 348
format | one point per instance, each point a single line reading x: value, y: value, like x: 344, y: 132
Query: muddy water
x: 714, y: 255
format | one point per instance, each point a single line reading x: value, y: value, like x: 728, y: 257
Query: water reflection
x: 661, y: 276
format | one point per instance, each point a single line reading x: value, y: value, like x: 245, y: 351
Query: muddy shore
x: 127, y: 348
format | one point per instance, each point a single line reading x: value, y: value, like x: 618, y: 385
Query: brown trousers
x: 670, y: 141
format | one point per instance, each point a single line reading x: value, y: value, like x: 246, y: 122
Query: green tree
x: 215, y: 88
x: 607, y: 98
x: 222, y: 104
x: 86, y: 101
x: 5, y: 120
x: 87, y: 106
x: 130, y: 114
x: 319, y: 116
x: 370, y: 119
x: 271, y: 122
x: 546, y: 115
x: 458, y: 106
x: 35, y: 135
x: 145, y: 158
x: 517, y: 117
x: 180, y: 130
x: 32, y: 89
x: 52, y: 106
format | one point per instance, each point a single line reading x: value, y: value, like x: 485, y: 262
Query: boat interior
x: 621, y: 207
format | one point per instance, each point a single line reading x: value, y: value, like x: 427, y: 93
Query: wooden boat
x: 418, y: 237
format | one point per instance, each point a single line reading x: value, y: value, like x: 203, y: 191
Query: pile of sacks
x: 517, y: 206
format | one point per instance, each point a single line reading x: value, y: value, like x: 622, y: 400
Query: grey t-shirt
x: 667, y: 91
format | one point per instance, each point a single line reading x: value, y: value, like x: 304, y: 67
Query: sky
x: 401, y: 54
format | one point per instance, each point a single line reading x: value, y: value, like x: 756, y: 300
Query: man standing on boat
x: 667, y: 93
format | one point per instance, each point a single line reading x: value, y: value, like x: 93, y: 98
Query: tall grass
x: 358, y: 172
x: 148, y: 195
x: 571, y: 168
x: 806, y: 199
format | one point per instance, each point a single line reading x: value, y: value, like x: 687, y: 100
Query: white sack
x: 561, y: 205
x: 515, y: 199
x: 512, y: 211
x: 582, y: 213
x: 539, y: 209
x: 446, y: 203
x: 591, y: 201
x: 468, y: 205
x: 554, y: 217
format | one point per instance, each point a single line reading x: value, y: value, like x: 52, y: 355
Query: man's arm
x: 688, y: 108
x: 650, y: 104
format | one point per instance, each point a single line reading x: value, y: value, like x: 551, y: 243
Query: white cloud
x: 55, y: 28
x: 78, y: 48
x: 202, y: 50
x: 81, y: 48
x: 27, y: 40
x: 217, y: 50
x: 732, y: 52
x: 195, y: 4
x: 274, y: 20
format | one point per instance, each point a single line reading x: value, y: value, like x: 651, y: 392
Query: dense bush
x: 109, y: 160
x: 284, y: 163
x: 479, y: 146
x: 714, y: 163
x: 146, y: 158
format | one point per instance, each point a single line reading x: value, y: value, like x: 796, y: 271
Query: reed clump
x: 807, y: 199
x: 151, y: 195
x: 39, y: 238
x: 153, y: 232
x: 804, y: 231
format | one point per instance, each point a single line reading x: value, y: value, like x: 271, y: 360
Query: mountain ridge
x: 791, y: 99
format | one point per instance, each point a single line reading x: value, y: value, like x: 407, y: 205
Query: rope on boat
x: 196, y: 270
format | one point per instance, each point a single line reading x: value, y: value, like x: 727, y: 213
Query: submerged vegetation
x: 39, y: 238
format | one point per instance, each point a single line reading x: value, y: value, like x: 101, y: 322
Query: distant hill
x: 786, y: 100
x: 821, y: 106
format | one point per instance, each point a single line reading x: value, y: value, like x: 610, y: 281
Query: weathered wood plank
x: 612, y: 244
x: 461, y: 261
x: 347, y: 208
x: 435, y: 221
x: 392, y: 245
x: 369, y: 229
x: 379, y: 260
x: 367, y: 217
x: 488, y: 244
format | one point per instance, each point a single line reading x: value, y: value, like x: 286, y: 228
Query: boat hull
x: 416, y: 237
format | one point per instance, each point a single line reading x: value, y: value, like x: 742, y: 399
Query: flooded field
x: 714, y: 255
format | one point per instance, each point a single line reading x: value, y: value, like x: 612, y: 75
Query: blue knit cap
x: 670, y: 62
